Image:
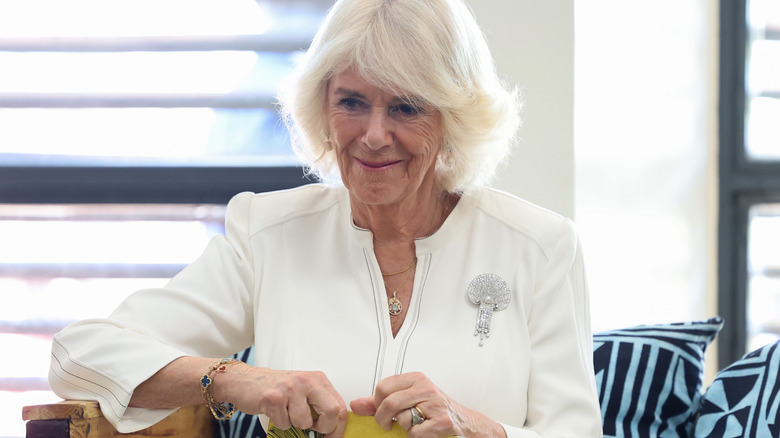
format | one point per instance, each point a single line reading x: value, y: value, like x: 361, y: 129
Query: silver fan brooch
x: 491, y: 293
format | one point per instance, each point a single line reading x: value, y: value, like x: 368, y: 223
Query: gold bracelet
x: 220, y: 410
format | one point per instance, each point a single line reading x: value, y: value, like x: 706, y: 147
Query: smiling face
x: 386, y: 145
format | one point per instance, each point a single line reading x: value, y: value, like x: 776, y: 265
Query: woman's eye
x: 408, y: 109
x: 350, y: 103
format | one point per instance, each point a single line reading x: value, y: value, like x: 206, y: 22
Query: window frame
x: 742, y: 182
x: 141, y: 185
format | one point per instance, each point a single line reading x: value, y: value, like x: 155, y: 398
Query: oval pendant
x: 394, y: 306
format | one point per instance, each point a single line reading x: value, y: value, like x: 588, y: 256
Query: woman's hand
x: 303, y: 399
x: 395, y: 396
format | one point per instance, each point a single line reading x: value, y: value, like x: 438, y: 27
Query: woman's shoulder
x: 266, y: 209
x: 544, y: 226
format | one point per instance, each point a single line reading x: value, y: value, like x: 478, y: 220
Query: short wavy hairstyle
x: 432, y: 50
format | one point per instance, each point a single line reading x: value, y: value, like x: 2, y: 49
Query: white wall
x: 533, y: 44
x: 646, y: 159
x: 646, y: 106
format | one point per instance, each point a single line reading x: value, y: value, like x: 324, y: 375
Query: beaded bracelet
x: 220, y: 410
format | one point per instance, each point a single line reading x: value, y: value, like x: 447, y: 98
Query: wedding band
x: 417, y: 415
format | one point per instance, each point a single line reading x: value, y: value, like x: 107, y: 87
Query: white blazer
x: 298, y: 280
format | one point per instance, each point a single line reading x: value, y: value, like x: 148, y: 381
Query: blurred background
x: 125, y: 127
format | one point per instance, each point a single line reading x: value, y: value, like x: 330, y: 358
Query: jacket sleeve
x: 562, y: 397
x: 206, y: 310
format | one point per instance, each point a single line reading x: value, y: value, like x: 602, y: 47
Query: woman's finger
x: 397, y: 383
x: 398, y: 395
x: 363, y: 406
x: 412, y: 417
x: 279, y: 416
x: 404, y: 419
x: 328, y: 407
x: 300, y: 412
x: 332, y: 428
x: 398, y: 406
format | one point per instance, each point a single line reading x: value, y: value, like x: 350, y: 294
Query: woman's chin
x: 376, y: 194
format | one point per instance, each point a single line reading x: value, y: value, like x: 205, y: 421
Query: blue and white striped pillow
x: 649, y: 377
x: 744, y: 399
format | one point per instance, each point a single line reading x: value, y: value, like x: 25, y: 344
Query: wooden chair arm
x: 83, y: 419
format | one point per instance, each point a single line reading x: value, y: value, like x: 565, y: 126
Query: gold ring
x: 417, y: 416
x: 420, y: 411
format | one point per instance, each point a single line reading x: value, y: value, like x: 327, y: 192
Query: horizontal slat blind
x: 127, y: 128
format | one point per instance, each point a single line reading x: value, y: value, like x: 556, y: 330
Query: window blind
x: 125, y: 126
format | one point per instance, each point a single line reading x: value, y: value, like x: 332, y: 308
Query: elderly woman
x: 365, y: 293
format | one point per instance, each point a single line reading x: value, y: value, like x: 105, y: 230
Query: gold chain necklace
x: 394, y: 305
x: 399, y: 272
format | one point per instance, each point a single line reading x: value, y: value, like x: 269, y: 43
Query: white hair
x: 433, y: 50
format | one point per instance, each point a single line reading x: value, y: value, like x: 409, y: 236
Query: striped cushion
x: 744, y: 399
x: 649, y: 377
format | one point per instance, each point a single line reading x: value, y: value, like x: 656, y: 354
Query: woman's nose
x: 377, y: 134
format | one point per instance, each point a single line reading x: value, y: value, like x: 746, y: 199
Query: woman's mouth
x: 376, y: 166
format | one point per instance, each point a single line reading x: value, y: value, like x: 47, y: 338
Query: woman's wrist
x: 225, y: 382
x: 222, y: 410
x: 498, y: 430
x: 172, y: 386
x: 478, y: 425
x: 491, y: 429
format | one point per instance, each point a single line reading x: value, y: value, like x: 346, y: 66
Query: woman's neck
x: 404, y: 221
